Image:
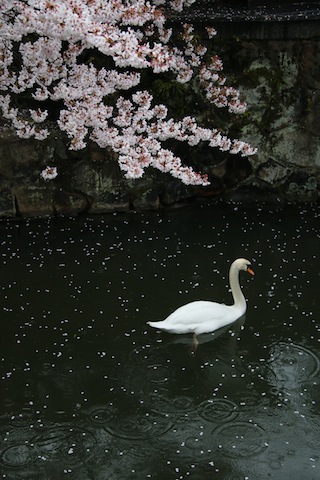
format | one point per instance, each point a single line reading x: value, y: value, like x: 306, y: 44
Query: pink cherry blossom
x: 49, y: 173
x: 51, y: 51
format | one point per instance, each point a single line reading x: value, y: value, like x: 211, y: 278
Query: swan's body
x: 204, y: 316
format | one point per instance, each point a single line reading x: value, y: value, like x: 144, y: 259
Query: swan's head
x: 243, y: 264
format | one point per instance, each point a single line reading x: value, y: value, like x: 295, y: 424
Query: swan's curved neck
x: 238, y: 297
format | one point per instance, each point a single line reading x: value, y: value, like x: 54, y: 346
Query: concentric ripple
x: 18, y: 456
x: 101, y: 414
x: 21, y: 419
x: 218, y: 410
x: 176, y: 406
x: 292, y: 362
x: 139, y: 427
x: 157, y: 373
x: 240, y: 439
x: 70, y: 444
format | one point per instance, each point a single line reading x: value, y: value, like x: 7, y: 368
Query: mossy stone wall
x: 276, y: 65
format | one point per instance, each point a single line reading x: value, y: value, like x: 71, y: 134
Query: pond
x: 89, y: 391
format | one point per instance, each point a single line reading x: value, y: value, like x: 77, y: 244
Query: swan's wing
x: 198, y: 311
x: 195, y: 316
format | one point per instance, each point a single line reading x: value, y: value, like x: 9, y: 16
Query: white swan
x: 204, y: 316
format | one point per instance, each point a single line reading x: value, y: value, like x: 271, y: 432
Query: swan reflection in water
x: 203, y: 338
x: 193, y: 342
x: 204, y: 317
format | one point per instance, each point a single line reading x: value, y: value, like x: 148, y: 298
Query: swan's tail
x: 153, y: 324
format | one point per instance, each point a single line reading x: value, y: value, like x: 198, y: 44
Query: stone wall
x: 280, y: 78
x: 277, y: 67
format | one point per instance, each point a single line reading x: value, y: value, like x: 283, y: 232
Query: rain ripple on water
x: 89, y: 391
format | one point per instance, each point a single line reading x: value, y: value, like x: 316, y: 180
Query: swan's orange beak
x: 249, y: 270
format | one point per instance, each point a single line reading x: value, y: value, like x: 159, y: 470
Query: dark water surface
x: 89, y: 392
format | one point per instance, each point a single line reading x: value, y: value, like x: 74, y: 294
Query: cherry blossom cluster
x: 49, y: 173
x: 49, y: 51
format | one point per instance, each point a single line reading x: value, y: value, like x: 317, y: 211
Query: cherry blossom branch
x: 45, y: 48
